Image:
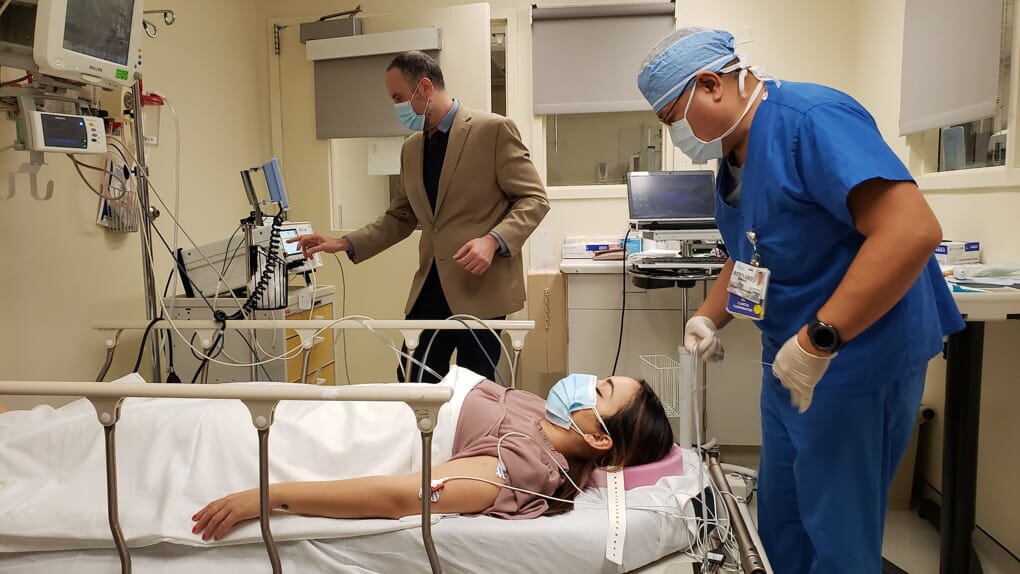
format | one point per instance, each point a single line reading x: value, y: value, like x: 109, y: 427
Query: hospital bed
x: 655, y: 542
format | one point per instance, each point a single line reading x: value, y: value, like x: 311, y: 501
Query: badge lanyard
x: 748, y: 285
x: 752, y: 238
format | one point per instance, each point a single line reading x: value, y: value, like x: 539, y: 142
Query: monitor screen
x: 64, y: 131
x: 100, y: 28
x: 289, y: 249
x: 660, y: 195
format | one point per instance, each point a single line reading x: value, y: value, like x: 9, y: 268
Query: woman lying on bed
x: 327, y: 459
x: 585, y: 423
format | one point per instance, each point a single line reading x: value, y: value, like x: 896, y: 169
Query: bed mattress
x: 659, y: 523
x: 574, y: 542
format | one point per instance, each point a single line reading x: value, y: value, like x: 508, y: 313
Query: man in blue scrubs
x: 852, y: 305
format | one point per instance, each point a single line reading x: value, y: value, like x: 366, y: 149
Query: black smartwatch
x: 824, y: 337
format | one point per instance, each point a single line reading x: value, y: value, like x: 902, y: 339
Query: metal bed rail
x: 752, y: 556
x: 425, y: 400
x: 308, y: 329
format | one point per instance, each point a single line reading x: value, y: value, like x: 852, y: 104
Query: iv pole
x: 148, y: 214
x: 145, y: 230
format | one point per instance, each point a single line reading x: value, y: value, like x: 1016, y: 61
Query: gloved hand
x: 799, y: 371
x: 701, y: 338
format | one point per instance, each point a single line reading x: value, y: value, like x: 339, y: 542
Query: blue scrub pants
x: 825, y: 474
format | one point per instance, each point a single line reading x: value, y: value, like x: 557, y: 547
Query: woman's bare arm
x: 365, y: 497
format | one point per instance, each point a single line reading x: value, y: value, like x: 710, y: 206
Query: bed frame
x: 308, y: 329
x: 425, y: 400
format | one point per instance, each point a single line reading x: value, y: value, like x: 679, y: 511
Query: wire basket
x: 662, y: 373
x: 673, y: 380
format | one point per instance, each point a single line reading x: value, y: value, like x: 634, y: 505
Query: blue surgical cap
x: 677, y: 58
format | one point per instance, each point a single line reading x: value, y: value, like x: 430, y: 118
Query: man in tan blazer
x: 467, y: 179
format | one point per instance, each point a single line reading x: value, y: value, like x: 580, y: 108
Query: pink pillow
x: 647, y: 474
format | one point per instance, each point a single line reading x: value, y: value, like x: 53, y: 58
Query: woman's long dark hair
x: 641, y: 434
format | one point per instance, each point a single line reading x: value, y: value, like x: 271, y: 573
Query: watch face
x: 823, y: 338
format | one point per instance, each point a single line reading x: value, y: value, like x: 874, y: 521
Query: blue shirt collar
x: 447, y: 122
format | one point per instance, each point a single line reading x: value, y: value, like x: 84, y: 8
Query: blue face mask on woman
x: 572, y: 393
x: 407, y: 116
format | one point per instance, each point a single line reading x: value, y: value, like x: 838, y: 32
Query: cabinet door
x: 734, y: 386
x: 594, y: 334
x: 320, y: 355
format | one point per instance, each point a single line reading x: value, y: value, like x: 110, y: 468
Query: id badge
x: 748, y: 287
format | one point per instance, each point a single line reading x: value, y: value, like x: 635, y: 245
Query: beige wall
x: 985, y: 215
x: 790, y: 39
x: 61, y: 272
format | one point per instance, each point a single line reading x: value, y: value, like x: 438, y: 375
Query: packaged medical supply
x: 989, y: 270
x: 579, y: 247
x: 958, y: 252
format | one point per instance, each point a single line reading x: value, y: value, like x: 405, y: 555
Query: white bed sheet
x: 52, y: 462
x: 574, y: 542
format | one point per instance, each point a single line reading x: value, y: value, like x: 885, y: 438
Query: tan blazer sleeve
x: 519, y: 181
x: 392, y: 227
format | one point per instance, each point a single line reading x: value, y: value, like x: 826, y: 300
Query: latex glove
x: 701, y: 338
x: 799, y: 371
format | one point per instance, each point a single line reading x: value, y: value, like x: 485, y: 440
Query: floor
x: 911, y: 543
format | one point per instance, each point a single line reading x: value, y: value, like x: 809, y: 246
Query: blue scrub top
x: 808, y: 147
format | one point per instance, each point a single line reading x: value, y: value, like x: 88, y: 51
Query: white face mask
x: 701, y: 151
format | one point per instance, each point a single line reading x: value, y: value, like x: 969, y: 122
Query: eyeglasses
x: 664, y: 120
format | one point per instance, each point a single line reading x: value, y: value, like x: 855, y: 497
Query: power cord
x: 141, y: 347
x: 213, y: 351
x: 623, y: 307
x: 171, y: 374
x: 499, y: 378
x: 272, y: 262
x: 343, y: 313
x: 212, y: 308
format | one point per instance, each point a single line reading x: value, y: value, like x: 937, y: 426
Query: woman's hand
x: 220, y: 516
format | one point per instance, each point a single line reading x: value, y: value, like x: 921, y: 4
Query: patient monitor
x: 64, y: 133
x: 296, y: 262
x: 92, y: 41
x: 66, y: 44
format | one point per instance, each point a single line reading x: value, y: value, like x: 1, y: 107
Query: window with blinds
x: 982, y: 142
x: 585, y: 61
x: 956, y: 78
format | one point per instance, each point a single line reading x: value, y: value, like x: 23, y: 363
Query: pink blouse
x: 491, y: 411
